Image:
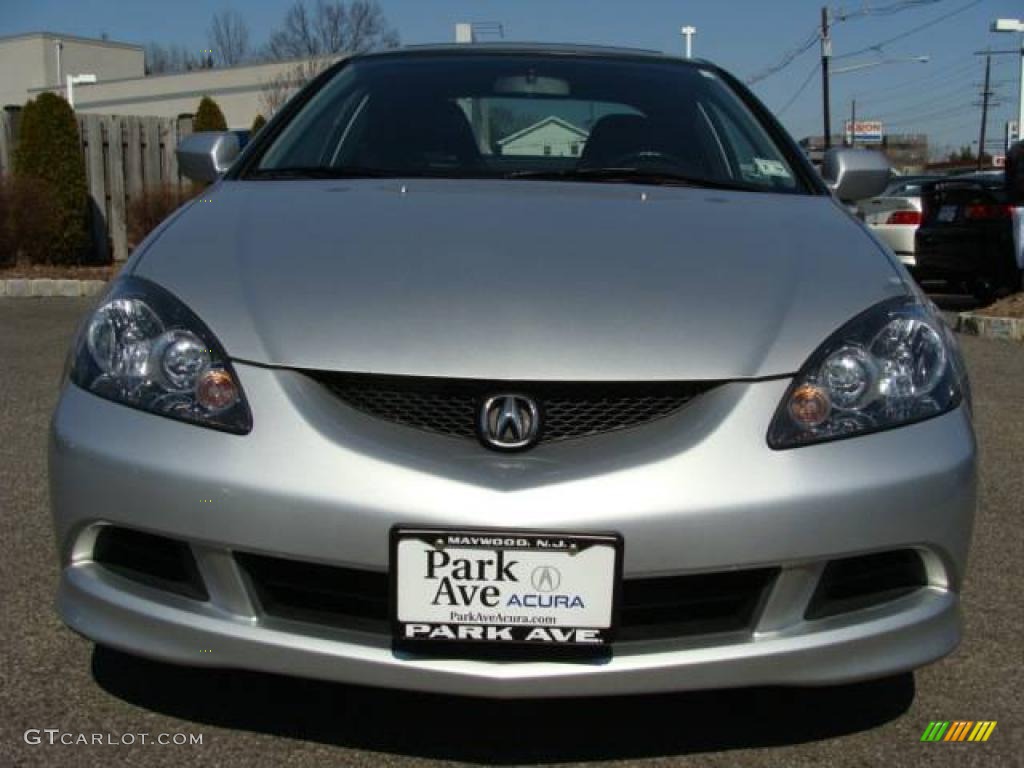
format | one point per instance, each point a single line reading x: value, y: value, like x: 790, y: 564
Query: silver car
x: 518, y: 371
x: 895, y: 215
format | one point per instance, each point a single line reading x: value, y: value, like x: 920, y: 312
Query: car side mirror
x: 206, y: 155
x: 856, y: 174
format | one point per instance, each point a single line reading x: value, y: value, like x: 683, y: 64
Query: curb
x: 24, y: 288
x: 1006, y: 328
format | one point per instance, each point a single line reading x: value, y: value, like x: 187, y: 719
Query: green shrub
x: 51, y: 207
x: 35, y: 214
x: 7, y: 250
x: 258, y: 122
x: 209, y: 117
x: 150, y: 208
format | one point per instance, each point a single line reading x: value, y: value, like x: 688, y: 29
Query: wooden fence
x: 124, y: 155
x: 8, y: 127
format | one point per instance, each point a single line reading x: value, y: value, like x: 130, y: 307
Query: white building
x: 238, y: 92
x: 39, y: 61
x: 551, y: 136
x: 29, y: 66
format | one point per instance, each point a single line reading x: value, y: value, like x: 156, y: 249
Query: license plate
x: 494, y: 587
x: 947, y: 213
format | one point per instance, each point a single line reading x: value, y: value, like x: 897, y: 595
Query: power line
x: 801, y: 89
x: 806, y: 43
x: 958, y: 127
x: 913, y: 31
x: 949, y: 89
x: 915, y: 107
x: 894, y: 103
x: 944, y: 123
x: 885, y: 10
x: 933, y: 116
x: 787, y: 58
x: 954, y: 70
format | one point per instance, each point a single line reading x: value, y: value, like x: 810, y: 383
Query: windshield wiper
x: 631, y: 176
x: 626, y: 175
x: 321, y: 172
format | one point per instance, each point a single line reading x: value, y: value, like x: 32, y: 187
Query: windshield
x: 528, y: 116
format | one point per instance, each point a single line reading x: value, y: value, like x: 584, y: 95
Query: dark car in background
x: 966, y: 235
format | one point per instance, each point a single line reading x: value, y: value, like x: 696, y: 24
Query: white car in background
x: 895, y: 216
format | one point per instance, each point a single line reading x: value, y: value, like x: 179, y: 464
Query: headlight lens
x: 145, y: 349
x: 895, y: 364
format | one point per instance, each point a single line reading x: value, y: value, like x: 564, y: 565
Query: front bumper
x: 699, y: 491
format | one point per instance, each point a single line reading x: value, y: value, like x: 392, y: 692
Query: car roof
x: 522, y: 48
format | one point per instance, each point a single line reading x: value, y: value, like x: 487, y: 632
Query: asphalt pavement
x: 53, y: 679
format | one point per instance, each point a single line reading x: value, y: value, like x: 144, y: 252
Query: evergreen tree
x: 209, y: 117
x: 52, y: 198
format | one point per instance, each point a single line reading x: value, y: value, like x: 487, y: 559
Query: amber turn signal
x: 216, y: 390
x: 809, y: 405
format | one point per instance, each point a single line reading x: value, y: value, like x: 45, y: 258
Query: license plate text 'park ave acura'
x: 504, y: 587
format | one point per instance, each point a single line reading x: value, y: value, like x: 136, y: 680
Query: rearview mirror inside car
x: 531, y: 85
x: 856, y: 174
x: 205, y: 156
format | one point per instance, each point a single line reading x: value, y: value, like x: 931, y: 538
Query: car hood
x: 519, y: 280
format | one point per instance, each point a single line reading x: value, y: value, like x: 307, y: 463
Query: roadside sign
x: 865, y: 132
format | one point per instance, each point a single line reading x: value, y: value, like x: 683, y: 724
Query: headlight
x: 895, y: 364
x: 145, y: 349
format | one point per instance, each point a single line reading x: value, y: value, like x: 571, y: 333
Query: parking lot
x: 53, y: 679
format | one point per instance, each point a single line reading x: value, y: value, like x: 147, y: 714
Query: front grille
x: 568, y: 410
x: 318, y: 594
x: 673, y: 606
x: 697, y: 604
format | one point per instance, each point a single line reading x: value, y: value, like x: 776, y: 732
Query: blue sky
x: 745, y: 36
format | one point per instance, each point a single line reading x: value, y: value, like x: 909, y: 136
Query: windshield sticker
x: 771, y: 167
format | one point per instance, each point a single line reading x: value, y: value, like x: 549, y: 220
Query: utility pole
x: 1015, y: 26
x: 1020, y: 85
x: 984, y: 110
x: 826, y: 54
x: 853, y: 123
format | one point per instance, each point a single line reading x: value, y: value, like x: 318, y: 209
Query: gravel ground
x: 51, y: 678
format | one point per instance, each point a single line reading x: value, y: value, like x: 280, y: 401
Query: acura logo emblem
x: 546, y: 578
x: 509, y: 422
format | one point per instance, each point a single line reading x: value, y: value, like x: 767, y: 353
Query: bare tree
x: 157, y: 59
x: 318, y: 34
x: 164, y: 59
x: 329, y: 28
x: 229, y: 38
x: 367, y: 29
x: 281, y: 87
